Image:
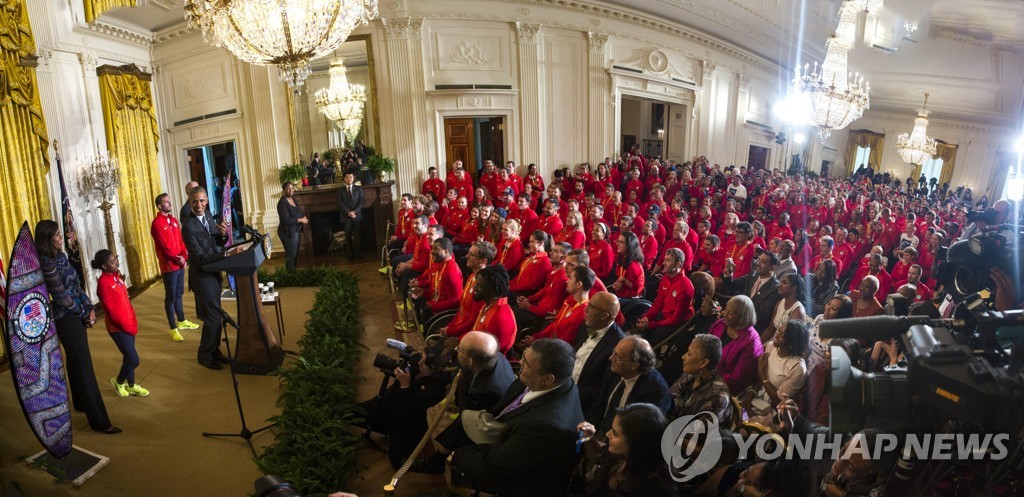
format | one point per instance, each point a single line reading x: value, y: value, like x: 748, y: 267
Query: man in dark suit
x: 761, y: 286
x: 204, y: 240
x: 486, y: 375
x: 535, y: 451
x: 634, y: 380
x: 350, y: 203
x: 594, y: 344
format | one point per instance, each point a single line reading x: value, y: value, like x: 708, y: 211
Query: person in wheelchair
x: 480, y: 256
x: 674, y: 304
x: 438, y: 289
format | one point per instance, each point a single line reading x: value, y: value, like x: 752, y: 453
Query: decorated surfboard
x: 36, y: 362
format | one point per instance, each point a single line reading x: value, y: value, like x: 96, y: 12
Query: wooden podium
x: 257, y: 350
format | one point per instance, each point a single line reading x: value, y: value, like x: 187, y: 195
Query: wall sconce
x: 661, y: 134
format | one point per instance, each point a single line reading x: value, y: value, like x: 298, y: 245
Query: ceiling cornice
x: 908, y: 120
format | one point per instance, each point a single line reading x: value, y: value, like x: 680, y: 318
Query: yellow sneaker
x: 176, y: 336
x: 187, y: 325
x: 384, y: 270
x: 120, y: 388
x: 137, y: 390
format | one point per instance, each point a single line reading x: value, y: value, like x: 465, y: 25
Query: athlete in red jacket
x: 172, y: 255
x: 120, y: 320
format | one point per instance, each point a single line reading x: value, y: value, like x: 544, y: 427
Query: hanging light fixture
x: 916, y: 147
x: 285, y: 33
x: 837, y: 98
x: 341, y: 101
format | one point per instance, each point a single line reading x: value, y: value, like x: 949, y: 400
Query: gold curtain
x: 864, y: 138
x: 93, y: 8
x: 946, y: 152
x: 132, y: 134
x: 24, y: 195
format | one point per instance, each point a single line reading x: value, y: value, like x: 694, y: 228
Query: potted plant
x: 293, y: 173
x: 379, y: 164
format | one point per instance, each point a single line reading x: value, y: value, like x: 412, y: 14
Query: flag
x: 71, y: 247
x: 225, y: 209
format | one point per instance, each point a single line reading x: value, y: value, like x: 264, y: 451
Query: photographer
x: 401, y: 410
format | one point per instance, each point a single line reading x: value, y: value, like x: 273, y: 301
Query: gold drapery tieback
x: 129, y: 119
x: 24, y: 193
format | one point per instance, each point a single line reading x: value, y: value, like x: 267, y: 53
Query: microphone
x: 227, y: 317
x: 876, y: 327
x: 400, y: 346
x: 249, y: 230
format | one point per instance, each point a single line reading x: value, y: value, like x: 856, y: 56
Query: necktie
x: 757, y: 286
x: 205, y: 224
x: 616, y: 398
x: 515, y: 403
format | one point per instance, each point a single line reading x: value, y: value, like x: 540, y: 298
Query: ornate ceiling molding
x: 111, y: 28
x: 978, y: 128
x: 173, y: 32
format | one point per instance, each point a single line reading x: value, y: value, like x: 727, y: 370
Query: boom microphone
x: 249, y: 230
x: 878, y: 327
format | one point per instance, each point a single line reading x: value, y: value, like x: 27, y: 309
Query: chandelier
x: 341, y: 101
x: 837, y: 98
x: 916, y: 147
x: 285, y: 33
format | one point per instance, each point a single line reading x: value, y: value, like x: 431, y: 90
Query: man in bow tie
x: 594, y: 344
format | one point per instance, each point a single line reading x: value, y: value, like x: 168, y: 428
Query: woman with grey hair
x: 701, y: 387
x: 741, y: 345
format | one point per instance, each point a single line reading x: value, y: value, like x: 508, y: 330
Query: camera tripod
x: 245, y: 433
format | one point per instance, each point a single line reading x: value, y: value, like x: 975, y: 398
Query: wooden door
x: 459, y: 143
x: 757, y: 158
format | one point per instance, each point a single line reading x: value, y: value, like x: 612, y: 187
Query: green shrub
x: 316, y: 443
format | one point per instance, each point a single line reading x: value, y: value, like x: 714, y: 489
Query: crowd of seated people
x: 736, y: 269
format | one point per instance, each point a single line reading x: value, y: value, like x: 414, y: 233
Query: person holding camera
x: 401, y: 410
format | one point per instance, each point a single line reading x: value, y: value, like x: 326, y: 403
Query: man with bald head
x: 486, y: 375
x: 594, y: 344
x: 186, y: 209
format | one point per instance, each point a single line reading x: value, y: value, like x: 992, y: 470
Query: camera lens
x: 385, y: 362
x: 275, y: 486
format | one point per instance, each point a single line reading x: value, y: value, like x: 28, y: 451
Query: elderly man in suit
x: 486, y: 375
x: 204, y: 240
x: 534, y: 452
x: 350, y: 203
x: 761, y: 286
x: 594, y: 345
x: 634, y: 379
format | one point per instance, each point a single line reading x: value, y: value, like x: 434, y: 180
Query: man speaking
x: 204, y: 241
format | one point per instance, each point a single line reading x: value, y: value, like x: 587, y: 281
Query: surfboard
x: 37, y: 366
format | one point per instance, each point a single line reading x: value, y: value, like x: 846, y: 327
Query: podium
x: 257, y: 350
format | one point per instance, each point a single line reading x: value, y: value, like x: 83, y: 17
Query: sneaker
x: 383, y: 270
x: 187, y: 325
x: 120, y: 388
x: 176, y: 336
x: 137, y: 390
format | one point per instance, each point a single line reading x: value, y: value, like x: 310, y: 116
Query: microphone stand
x: 245, y: 433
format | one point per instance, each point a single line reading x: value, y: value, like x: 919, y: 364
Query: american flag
x: 71, y: 247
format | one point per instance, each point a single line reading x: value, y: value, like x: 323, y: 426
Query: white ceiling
x: 968, y: 54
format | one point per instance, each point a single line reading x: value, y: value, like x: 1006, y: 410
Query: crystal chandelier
x: 916, y: 147
x: 341, y: 101
x: 285, y: 33
x: 837, y: 98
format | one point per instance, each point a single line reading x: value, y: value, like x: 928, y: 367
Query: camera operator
x: 998, y: 214
x: 401, y: 411
x: 850, y: 475
x: 486, y: 375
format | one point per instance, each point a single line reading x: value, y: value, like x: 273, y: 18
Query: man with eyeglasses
x: 594, y: 343
x: 634, y: 380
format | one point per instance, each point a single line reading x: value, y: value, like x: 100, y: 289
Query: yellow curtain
x: 864, y: 138
x: 23, y: 161
x: 93, y: 8
x: 132, y: 134
x: 946, y: 152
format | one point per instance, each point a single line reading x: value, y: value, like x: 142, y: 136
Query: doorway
x: 757, y: 158
x: 214, y: 167
x: 473, y: 140
x: 644, y: 125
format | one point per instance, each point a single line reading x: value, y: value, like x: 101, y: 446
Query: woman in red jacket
x: 572, y: 233
x: 602, y: 255
x: 120, y: 320
x: 629, y: 271
x: 533, y: 272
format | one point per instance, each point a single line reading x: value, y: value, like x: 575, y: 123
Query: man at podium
x: 204, y: 240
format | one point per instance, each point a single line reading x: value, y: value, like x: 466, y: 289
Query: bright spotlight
x: 795, y: 108
x: 799, y: 138
x: 1020, y: 144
